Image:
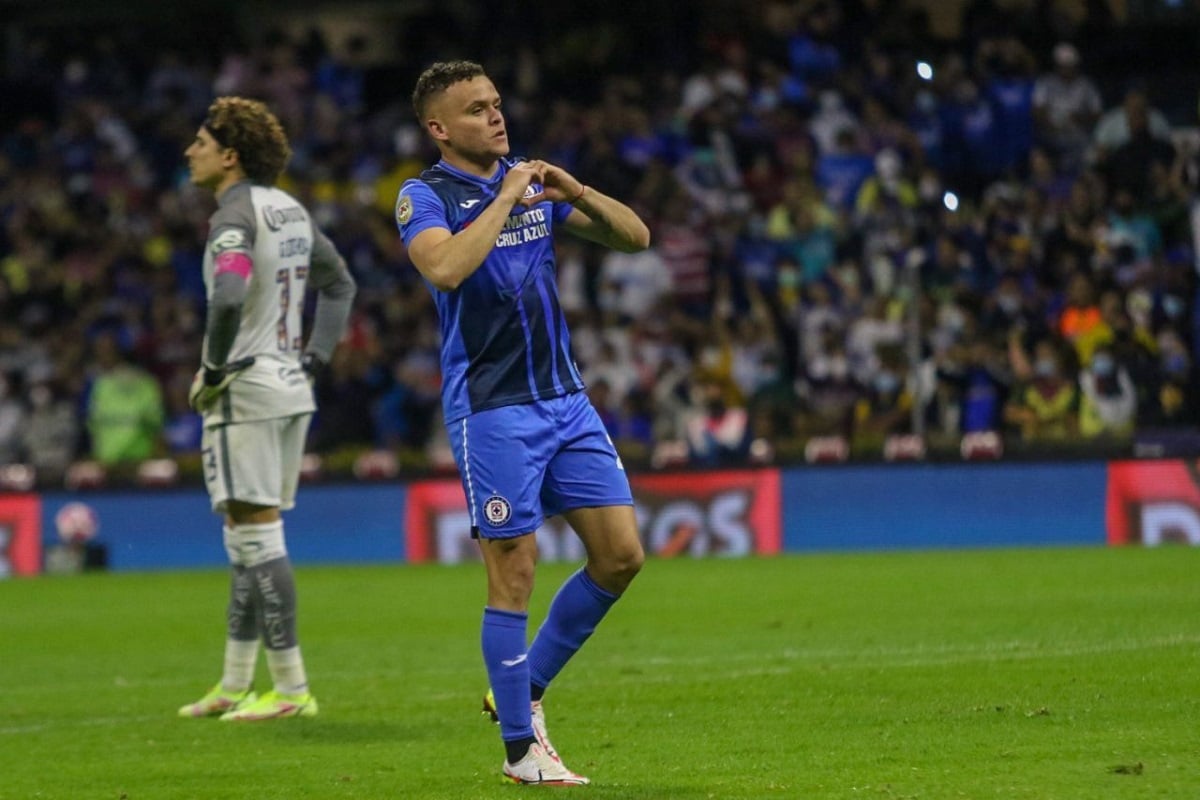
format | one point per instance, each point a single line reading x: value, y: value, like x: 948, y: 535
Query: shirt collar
x: 496, y: 177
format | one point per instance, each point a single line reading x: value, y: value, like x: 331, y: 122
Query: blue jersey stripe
x: 527, y: 329
x: 564, y: 362
x: 541, y: 375
x: 551, y: 337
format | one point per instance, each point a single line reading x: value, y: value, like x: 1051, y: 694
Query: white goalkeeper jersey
x: 276, y: 232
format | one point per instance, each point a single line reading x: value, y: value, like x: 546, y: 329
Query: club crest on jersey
x: 229, y: 239
x: 404, y: 209
x: 496, y: 510
x: 532, y: 190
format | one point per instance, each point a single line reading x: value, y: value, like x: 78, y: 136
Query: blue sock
x: 504, y: 654
x: 574, y: 613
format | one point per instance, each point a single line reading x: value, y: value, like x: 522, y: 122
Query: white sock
x: 240, y: 658
x: 287, y: 670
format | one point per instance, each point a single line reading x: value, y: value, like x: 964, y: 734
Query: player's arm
x: 447, y: 259
x: 230, y: 245
x: 231, y: 248
x: 595, y: 216
x: 335, y: 296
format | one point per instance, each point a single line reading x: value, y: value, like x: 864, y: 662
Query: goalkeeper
x: 254, y: 392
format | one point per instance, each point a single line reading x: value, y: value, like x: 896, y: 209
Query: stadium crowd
x: 858, y: 229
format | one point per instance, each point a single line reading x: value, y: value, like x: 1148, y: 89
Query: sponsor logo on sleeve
x: 404, y: 209
x: 229, y: 239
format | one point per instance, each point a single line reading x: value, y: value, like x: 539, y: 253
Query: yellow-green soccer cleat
x: 537, y: 716
x: 217, y: 702
x: 274, y: 705
x: 489, y: 707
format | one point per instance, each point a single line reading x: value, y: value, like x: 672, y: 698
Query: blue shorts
x: 522, y: 463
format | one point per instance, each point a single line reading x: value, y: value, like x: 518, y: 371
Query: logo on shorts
x: 497, y: 510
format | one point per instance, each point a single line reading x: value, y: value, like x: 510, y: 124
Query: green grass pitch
x: 1042, y: 674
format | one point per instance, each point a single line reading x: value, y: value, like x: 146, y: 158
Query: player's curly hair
x: 250, y: 128
x: 438, y: 78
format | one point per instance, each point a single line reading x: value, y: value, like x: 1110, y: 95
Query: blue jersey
x: 504, y: 336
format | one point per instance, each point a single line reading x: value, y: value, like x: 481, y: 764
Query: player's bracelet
x: 579, y: 196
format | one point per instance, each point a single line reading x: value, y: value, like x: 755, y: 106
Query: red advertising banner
x: 733, y: 513
x: 20, y: 534
x: 1153, y: 502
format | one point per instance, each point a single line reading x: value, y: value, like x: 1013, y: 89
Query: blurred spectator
x: 887, y: 188
x: 1127, y: 166
x: 841, y: 170
x: 12, y: 422
x: 51, y: 436
x: 1175, y: 399
x: 633, y: 426
x: 1118, y: 125
x: 885, y: 406
x: 829, y: 387
x: 682, y: 243
x: 1009, y: 66
x: 877, y: 328
x: 125, y: 411
x: 1066, y: 105
x: 973, y: 385
x: 717, y: 433
x: 1108, y: 402
x: 632, y: 284
x: 1081, y: 317
x: 1045, y: 405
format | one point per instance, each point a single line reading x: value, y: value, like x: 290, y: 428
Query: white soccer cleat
x: 539, y: 768
x: 537, y: 715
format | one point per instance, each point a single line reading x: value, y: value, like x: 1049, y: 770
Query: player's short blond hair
x: 250, y: 128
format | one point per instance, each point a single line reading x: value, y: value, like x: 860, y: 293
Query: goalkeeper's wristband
x: 213, y: 375
x: 312, y: 364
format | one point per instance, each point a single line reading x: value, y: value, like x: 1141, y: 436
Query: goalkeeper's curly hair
x: 250, y: 128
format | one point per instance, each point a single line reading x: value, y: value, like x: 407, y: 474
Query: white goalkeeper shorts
x: 254, y: 462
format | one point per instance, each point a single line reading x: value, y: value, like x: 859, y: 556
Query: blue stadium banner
x: 876, y: 507
x: 171, y: 529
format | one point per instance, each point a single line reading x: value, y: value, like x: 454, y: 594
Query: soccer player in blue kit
x: 478, y: 226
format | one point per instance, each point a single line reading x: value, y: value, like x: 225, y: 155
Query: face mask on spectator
x: 1009, y: 304
x: 1045, y: 368
x: 1102, y: 365
x: 1172, y: 306
x: 886, y: 383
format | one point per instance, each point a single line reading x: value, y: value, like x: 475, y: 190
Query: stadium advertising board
x: 1153, y: 502
x: 731, y: 513
x: 20, y: 534
x: 877, y: 507
x: 176, y: 529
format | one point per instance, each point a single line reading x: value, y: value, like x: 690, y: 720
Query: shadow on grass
x: 646, y: 791
x: 339, y: 732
